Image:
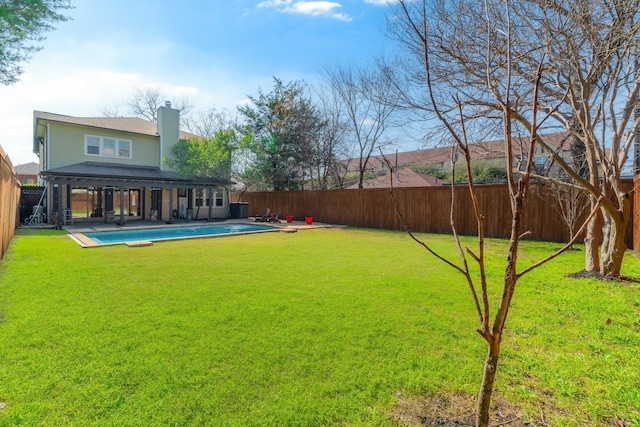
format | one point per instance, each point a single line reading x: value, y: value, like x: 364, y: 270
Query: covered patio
x: 112, y: 193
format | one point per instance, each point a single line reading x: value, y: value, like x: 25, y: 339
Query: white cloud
x: 69, y: 93
x: 311, y: 8
x: 274, y: 3
x: 381, y: 2
x: 79, y: 90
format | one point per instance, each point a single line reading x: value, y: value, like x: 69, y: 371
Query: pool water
x: 153, y: 234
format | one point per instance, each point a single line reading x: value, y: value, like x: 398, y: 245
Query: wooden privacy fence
x: 636, y: 214
x: 425, y: 209
x: 9, y: 199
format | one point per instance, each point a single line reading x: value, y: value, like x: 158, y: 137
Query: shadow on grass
x: 40, y: 232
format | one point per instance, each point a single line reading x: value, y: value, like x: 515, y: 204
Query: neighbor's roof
x: 27, y: 169
x: 124, y: 124
x: 481, y: 150
x: 402, y: 178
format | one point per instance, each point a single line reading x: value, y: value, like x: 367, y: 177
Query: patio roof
x: 111, y: 174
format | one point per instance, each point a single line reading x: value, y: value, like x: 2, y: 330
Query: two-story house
x: 113, y: 169
x: 28, y: 173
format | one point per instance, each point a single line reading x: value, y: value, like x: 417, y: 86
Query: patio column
x: 108, y: 205
x: 58, y: 189
x: 121, y: 205
x: 99, y: 211
x: 171, y: 205
x: 209, y: 197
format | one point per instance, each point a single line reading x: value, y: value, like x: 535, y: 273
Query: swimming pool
x: 169, y: 233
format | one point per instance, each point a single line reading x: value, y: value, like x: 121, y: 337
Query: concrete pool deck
x: 77, y: 231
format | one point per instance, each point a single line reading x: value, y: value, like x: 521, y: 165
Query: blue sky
x: 213, y: 52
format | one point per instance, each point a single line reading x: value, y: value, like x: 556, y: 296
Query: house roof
x: 402, y: 178
x: 96, y: 173
x: 27, y: 169
x: 123, y: 124
x: 481, y: 150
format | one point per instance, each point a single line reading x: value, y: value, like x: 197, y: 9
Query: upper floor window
x: 107, y: 147
x: 541, y: 160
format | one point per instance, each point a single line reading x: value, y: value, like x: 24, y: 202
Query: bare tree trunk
x: 592, y: 243
x: 613, y: 245
x: 488, y: 379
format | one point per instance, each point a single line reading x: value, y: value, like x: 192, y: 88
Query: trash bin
x: 239, y: 210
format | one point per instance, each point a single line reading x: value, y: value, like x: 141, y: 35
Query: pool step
x: 139, y: 243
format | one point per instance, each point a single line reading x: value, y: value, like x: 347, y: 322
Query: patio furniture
x: 67, y: 216
x: 262, y: 217
x: 37, y: 215
x: 275, y: 217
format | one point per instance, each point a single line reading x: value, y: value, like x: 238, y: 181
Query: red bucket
x: 309, y: 220
x: 289, y: 219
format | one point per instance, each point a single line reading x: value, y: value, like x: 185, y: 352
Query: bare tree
x: 207, y: 123
x: 418, y: 24
x: 569, y: 201
x: 112, y: 110
x: 589, y: 87
x: 594, y: 46
x: 144, y: 103
x: 332, y: 139
x: 362, y: 93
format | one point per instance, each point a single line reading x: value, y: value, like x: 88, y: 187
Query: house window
x: 124, y: 148
x: 107, y: 147
x: 540, y: 160
x: 92, y: 145
x: 199, y: 197
x: 219, y: 201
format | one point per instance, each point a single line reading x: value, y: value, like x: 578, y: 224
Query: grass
x: 318, y: 327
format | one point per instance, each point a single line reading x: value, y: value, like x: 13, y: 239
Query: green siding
x: 66, y: 146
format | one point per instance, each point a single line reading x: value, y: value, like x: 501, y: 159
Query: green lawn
x: 319, y: 327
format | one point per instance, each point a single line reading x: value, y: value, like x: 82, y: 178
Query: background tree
x: 484, y: 171
x: 569, y: 202
x: 590, y: 48
x: 599, y: 81
x: 278, y: 129
x: 205, y: 157
x: 306, y: 126
x: 209, y: 122
x: 23, y: 24
x: 419, y: 26
x: 335, y: 151
x: 144, y: 104
x: 364, y: 97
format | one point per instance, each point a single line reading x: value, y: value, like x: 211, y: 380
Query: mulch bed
x: 596, y: 275
x: 454, y: 410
